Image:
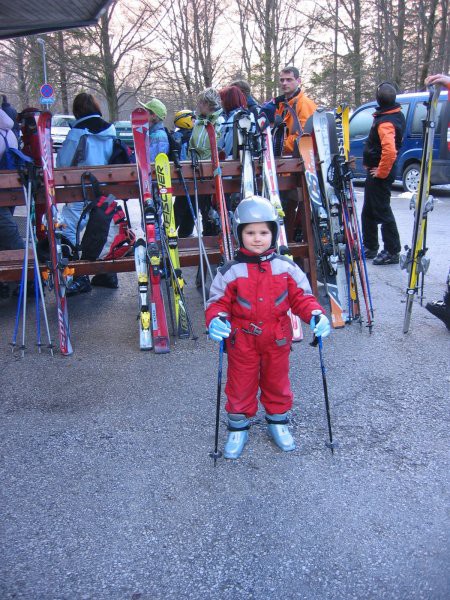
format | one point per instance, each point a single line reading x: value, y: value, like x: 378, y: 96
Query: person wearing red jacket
x: 293, y: 106
x: 256, y: 291
x: 379, y: 156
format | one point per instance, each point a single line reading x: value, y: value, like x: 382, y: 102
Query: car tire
x: 411, y: 176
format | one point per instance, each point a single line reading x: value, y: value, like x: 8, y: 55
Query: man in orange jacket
x: 379, y: 156
x: 293, y: 106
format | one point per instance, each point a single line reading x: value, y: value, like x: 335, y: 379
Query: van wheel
x: 411, y: 176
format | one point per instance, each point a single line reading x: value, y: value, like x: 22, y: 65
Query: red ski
x: 226, y: 240
x: 59, y: 270
x: 160, y: 332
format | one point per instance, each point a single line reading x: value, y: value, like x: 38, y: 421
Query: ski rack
x: 121, y: 180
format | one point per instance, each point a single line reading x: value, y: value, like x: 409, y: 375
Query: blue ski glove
x: 218, y: 330
x: 322, y: 327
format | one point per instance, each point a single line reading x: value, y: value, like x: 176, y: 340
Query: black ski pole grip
x: 223, y: 316
x: 316, y: 316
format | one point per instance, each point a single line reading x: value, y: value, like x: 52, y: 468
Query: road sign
x: 47, y: 91
x: 47, y: 100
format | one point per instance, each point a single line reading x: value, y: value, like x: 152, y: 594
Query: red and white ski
x: 59, y: 271
x: 271, y: 191
x: 226, y: 240
x: 160, y: 332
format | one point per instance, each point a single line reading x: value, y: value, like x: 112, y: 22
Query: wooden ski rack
x: 121, y: 180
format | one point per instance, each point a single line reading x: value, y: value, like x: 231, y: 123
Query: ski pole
x: 27, y: 250
x: 217, y: 453
x: 38, y: 285
x: 318, y: 341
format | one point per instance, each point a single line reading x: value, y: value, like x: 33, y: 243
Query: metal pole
x: 41, y: 42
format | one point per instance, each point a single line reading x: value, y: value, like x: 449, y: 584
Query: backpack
x: 108, y: 234
x: 174, y: 146
x: 12, y: 158
x: 121, y: 153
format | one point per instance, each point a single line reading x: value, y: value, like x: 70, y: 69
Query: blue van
x: 408, y: 161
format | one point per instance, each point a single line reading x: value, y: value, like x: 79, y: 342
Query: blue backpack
x: 12, y: 158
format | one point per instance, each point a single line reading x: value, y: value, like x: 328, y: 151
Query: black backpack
x: 103, y: 212
x: 121, y: 154
x: 174, y: 146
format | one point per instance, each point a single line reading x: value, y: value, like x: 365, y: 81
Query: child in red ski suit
x: 256, y: 291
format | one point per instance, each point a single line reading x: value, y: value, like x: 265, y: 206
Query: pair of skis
x: 159, y: 245
x: 225, y: 237
x: 340, y: 176
x: 58, y: 274
x: 414, y: 260
x: 340, y: 248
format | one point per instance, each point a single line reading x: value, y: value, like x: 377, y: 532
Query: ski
x: 59, y: 273
x: 330, y: 238
x: 347, y: 290
x: 343, y: 184
x: 243, y: 143
x: 140, y: 259
x: 226, y: 240
x: 415, y: 260
x: 164, y: 182
x: 154, y: 298
x: 271, y: 191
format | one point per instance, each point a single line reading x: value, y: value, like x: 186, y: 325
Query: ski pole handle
x: 316, y: 339
x: 223, y: 316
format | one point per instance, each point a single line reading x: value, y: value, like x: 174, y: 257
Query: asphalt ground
x: 108, y: 491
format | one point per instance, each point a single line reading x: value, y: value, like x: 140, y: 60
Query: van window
x: 361, y: 123
x: 420, y: 112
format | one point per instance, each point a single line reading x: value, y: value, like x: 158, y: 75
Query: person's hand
x: 374, y: 171
x: 438, y: 78
x: 219, y: 330
x: 352, y: 162
x: 321, y: 328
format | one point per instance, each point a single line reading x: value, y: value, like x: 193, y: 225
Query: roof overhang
x: 27, y: 17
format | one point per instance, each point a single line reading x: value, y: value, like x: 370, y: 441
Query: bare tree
x: 188, y: 37
x: 113, y: 58
x: 272, y: 34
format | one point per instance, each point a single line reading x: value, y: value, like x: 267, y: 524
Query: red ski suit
x: 257, y: 296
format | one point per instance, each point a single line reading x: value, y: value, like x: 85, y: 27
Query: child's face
x: 257, y: 237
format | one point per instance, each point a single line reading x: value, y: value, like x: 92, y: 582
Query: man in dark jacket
x: 379, y: 156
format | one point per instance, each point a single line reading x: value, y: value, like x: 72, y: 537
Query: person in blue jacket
x: 159, y: 142
x: 88, y: 143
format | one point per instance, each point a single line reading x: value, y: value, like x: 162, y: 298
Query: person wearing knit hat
x: 159, y: 141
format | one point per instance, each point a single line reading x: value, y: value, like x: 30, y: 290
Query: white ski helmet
x: 255, y: 209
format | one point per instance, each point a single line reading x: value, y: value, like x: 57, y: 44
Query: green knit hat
x: 155, y: 106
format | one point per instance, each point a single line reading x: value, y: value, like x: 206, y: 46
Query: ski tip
x: 161, y: 345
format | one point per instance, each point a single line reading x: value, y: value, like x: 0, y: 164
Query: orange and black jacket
x: 384, y: 140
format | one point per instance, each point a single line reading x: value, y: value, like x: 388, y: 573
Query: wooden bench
x: 121, y: 180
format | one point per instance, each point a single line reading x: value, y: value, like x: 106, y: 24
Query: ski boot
x: 107, y: 280
x: 238, y: 426
x: 79, y: 285
x: 279, y: 431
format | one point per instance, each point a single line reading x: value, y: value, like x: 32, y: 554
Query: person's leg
x: 241, y: 390
x: 441, y: 308
x: 276, y: 394
x: 389, y: 230
x: 10, y: 238
x: 70, y: 216
x: 368, y: 221
x: 183, y: 217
